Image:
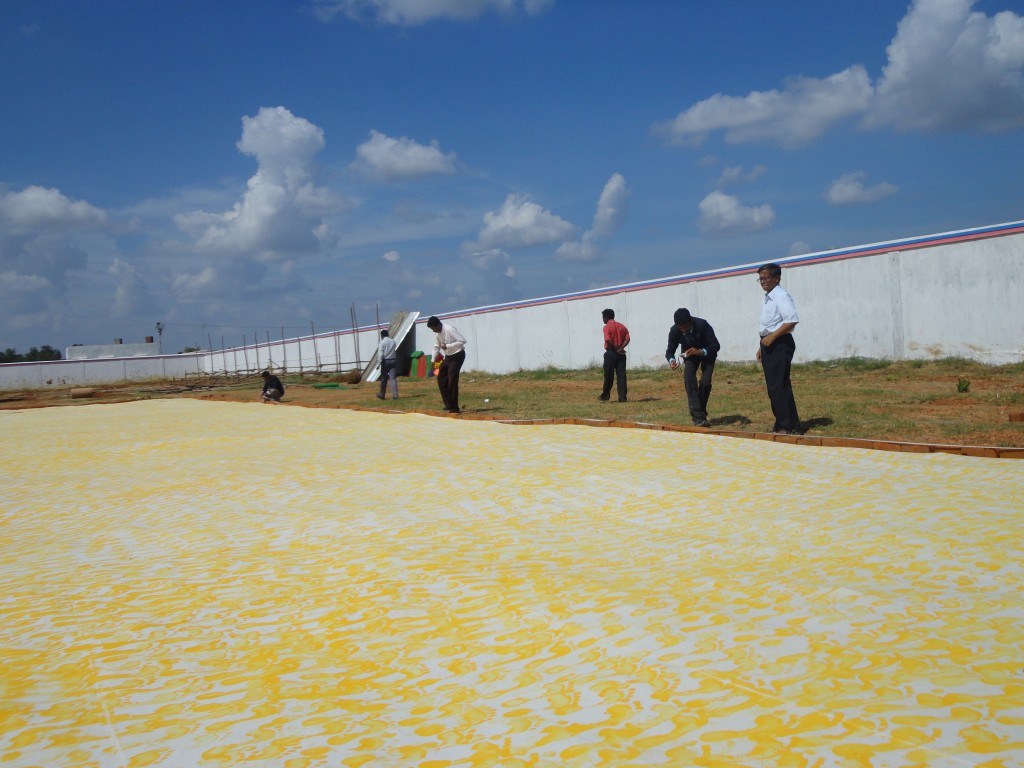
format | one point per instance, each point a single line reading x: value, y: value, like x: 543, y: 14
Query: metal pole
x: 355, y: 338
x: 245, y: 352
x: 316, y: 354
x: 284, y: 351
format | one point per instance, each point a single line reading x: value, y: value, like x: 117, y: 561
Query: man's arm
x: 787, y: 312
x: 673, y: 343
x: 772, y: 337
x: 701, y: 333
x: 711, y: 344
x: 456, y: 342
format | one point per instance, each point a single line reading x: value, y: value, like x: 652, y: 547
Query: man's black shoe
x: 604, y: 398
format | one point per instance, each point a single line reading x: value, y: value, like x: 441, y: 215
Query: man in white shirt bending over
x: 450, y: 351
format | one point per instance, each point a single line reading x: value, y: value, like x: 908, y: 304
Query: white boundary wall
x: 69, y: 373
x: 952, y: 294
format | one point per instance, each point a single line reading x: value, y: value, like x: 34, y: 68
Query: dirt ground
x: 903, y: 402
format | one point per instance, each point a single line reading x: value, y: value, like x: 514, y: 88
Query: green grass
x: 852, y: 364
x: 913, y: 401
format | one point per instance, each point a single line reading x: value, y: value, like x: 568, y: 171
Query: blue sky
x: 229, y: 168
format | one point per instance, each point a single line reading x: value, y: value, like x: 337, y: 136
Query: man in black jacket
x: 700, y: 348
x: 273, y: 389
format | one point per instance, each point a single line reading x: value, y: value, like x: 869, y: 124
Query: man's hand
x: 758, y: 355
x: 673, y: 364
x: 771, y: 338
x: 693, y: 352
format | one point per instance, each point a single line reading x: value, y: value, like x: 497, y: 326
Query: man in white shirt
x: 775, y: 352
x: 450, y: 351
x: 387, y: 357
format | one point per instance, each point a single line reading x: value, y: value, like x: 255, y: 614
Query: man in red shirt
x: 616, y: 338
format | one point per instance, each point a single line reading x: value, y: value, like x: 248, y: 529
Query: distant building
x: 117, y: 349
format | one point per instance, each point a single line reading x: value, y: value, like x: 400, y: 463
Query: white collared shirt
x: 449, y: 338
x: 777, y: 310
x: 386, y: 349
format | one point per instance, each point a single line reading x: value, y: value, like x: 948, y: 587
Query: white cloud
x: 584, y: 250
x: 849, y: 188
x: 282, y: 210
x: 12, y: 283
x: 131, y: 296
x: 45, y: 238
x: 723, y: 214
x: 192, y: 284
x: 27, y: 300
x: 41, y: 234
x: 415, y: 12
x: 494, y: 260
x: 235, y: 277
x: 611, y: 206
x: 799, y: 248
x: 391, y: 256
x: 794, y: 116
x: 410, y: 278
x: 37, y: 210
x: 611, y: 211
x: 283, y: 144
x: 497, y: 275
x: 951, y: 69
x: 386, y: 159
x: 520, y: 223
x: 33, y: 305
x: 737, y: 174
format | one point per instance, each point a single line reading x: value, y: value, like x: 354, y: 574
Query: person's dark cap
x: 682, y: 316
